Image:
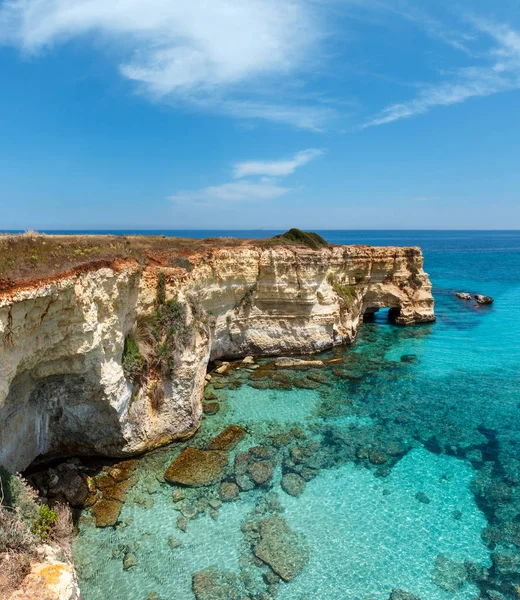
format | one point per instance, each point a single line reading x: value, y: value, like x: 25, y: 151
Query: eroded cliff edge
x: 63, y: 389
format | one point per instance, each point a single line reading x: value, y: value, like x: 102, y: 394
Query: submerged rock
x: 449, y: 574
x: 228, y: 439
x: 210, y: 408
x: 213, y: 584
x: 287, y: 362
x: 106, y: 512
x: 129, y: 561
x: 483, y: 299
x: 293, y: 484
x: 281, y: 548
x: 260, y: 472
x: 402, y: 595
x: 228, y: 491
x: 197, y: 468
x: 422, y: 498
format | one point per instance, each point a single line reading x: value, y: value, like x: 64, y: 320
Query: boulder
x: 223, y: 369
x: 210, y: 408
x: 228, y: 491
x: 287, y: 362
x: 449, y: 574
x: 213, y: 584
x: 463, y: 295
x: 293, y: 484
x: 260, y: 472
x: 106, y: 512
x: 228, y: 439
x: 483, y: 299
x: 401, y: 595
x: 281, y: 548
x: 68, y: 484
x: 248, y: 360
x: 197, y: 468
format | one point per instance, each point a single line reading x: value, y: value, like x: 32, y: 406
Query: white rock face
x: 62, y: 386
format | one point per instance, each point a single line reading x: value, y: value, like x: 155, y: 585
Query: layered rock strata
x: 63, y: 388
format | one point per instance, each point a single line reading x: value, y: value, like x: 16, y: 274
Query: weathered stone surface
x: 228, y: 491
x: 293, y: 484
x: 248, y: 360
x: 228, y: 439
x: 216, y: 585
x: 483, y: 299
x: 287, y: 362
x: 129, y: 561
x: 196, y: 468
x: 106, y: 512
x: 449, y: 574
x: 284, y: 550
x: 463, y: 295
x: 61, y: 356
x: 260, y: 472
x: 211, y: 408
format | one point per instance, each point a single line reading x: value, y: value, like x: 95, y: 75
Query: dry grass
x: 63, y: 531
x: 14, y: 567
x: 32, y: 255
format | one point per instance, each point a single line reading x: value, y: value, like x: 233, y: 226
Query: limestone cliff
x: 63, y: 389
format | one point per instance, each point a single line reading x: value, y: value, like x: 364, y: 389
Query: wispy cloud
x: 275, y: 168
x: 200, y: 52
x: 238, y: 191
x: 500, y: 73
x: 258, y: 181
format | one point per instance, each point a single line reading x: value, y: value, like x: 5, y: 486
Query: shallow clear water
x: 412, y: 457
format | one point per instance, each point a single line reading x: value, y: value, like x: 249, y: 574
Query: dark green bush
x: 305, y: 238
x: 47, y: 518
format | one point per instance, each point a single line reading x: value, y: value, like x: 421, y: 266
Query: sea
x: 394, y: 471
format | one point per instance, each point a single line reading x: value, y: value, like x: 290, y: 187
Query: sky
x: 226, y: 114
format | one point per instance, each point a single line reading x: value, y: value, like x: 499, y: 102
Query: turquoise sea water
x: 409, y: 447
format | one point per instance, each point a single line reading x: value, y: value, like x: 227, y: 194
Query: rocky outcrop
x: 63, y: 389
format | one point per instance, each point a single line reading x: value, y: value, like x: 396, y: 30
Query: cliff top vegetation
x: 35, y: 256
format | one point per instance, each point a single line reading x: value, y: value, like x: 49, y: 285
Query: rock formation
x: 63, y: 388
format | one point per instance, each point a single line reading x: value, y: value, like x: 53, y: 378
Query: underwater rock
x: 177, y: 495
x: 213, y: 584
x: 123, y: 470
x: 182, y: 523
x: 228, y: 491
x: 106, y: 512
x: 129, y: 561
x: 281, y: 548
x: 506, y: 562
x: 195, y: 468
x: 293, y: 484
x: 174, y: 542
x: 377, y: 457
x: 262, y: 452
x: 449, y: 574
x: 260, y: 472
x: 210, y: 396
x: 401, y: 595
x: 153, y: 596
x: 244, y: 482
x: 483, y: 299
x: 210, y: 408
x: 228, y: 439
x: 287, y: 362
x: 304, y: 383
x: 422, y: 498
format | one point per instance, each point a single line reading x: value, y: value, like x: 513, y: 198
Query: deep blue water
x: 411, y: 449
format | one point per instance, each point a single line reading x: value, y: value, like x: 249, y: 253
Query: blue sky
x: 320, y: 114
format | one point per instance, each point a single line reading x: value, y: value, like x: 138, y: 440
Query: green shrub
x: 47, y: 518
x: 18, y: 513
x: 133, y: 362
x: 346, y: 292
x: 359, y: 277
x: 305, y: 238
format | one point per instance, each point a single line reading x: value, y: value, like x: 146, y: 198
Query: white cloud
x: 249, y: 189
x: 501, y: 74
x: 238, y: 191
x: 204, y: 52
x: 275, y: 168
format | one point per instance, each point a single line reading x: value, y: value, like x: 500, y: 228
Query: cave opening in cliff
x: 373, y: 314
